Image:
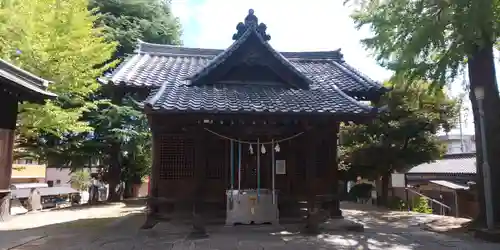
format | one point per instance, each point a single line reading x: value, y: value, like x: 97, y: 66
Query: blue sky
x: 293, y: 25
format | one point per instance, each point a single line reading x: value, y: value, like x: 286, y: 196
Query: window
x: 50, y: 183
x: 29, y: 161
x: 58, y: 182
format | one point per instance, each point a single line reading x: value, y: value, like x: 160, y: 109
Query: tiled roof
x: 34, y: 86
x: 465, y: 165
x: 193, y: 79
x: 326, y: 98
x: 155, y: 64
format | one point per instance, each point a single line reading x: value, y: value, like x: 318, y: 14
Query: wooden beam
x: 155, y: 174
x: 334, y: 204
x: 199, y: 170
x: 311, y: 169
x: 6, y: 146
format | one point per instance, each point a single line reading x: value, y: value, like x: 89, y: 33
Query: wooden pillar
x: 311, y: 168
x: 7, y: 127
x: 153, y: 204
x: 334, y: 207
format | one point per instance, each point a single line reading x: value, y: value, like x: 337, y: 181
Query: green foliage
x: 396, y: 203
x: 116, y: 133
x: 126, y: 21
x: 429, y: 39
x: 61, y: 44
x: 401, y: 137
x: 80, y: 179
x: 361, y: 190
x: 121, y: 124
x: 421, y: 205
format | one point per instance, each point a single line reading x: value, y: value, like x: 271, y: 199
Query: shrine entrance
x: 249, y: 172
x: 212, y: 123
x: 252, y: 195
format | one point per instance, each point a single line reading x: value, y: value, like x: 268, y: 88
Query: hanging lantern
x: 277, y: 148
x: 263, y: 149
x: 250, y: 149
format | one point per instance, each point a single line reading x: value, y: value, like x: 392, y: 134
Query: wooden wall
x: 192, y: 165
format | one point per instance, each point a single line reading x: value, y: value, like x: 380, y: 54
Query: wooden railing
x: 443, y: 207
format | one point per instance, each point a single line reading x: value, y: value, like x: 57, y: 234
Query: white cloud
x: 293, y: 25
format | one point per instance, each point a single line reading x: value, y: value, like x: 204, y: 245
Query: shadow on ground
x: 123, y: 233
x: 66, y: 235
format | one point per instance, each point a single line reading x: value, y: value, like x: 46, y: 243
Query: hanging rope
x: 255, y: 142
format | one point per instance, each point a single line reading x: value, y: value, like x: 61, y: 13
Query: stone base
x: 4, y: 207
x: 151, y: 221
x: 488, y: 235
x: 341, y: 225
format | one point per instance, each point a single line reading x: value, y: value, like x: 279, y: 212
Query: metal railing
x: 443, y: 207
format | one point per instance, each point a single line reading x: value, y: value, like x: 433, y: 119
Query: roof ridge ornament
x: 251, y: 21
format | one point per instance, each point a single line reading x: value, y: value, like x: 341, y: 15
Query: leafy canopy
x: 57, y: 40
x: 429, y: 39
x: 401, y: 137
x: 126, y: 21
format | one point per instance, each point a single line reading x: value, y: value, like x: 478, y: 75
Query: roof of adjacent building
x: 451, y: 184
x: 33, y: 87
x: 457, y: 165
x: 318, y: 82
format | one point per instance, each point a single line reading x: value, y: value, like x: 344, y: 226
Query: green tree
x: 127, y: 21
x: 401, y: 137
x: 126, y: 129
x: 435, y: 40
x: 422, y: 205
x: 119, y: 134
x: 61, y: 44
x: 80, y: 179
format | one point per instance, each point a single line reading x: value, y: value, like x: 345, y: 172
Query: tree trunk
x: 482, y: 74
x: 114, y: 174
x: 385, y: 189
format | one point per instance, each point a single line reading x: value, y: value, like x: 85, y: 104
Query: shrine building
x: 16, y: 86
x: 248, y: 133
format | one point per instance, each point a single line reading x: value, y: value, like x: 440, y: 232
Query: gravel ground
x: 383, y: 230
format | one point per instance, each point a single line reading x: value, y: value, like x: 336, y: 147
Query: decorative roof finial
x: 252, y: 22
x: 251, y: 19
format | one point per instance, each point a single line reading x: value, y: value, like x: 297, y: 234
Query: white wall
x: 455, y: 147
x: 60, y: 177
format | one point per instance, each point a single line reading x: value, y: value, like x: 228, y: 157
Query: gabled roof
x: 223, y: 60
x: 195, y: 79
x: 30, y: 87
x: 155, y: 64
x: 457, y: 165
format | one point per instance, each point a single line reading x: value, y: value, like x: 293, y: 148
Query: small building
x: 459, y: 144
x: 28, y: 171
x: 447, y: 181
x: 16, y: 85
x: 247, y: 121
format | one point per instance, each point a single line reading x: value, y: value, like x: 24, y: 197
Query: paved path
x: 40, y: 225
x: 382, y: 232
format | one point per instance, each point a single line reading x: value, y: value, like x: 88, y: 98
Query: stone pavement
x: 40, y: 225
x: 380, y: 233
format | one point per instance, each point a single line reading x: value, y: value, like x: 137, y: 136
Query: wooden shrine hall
x: 247, y: 133
x: 16, y: 85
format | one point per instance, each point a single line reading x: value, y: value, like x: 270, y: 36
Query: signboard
x: 280, y: 167
x: 398, y: 180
